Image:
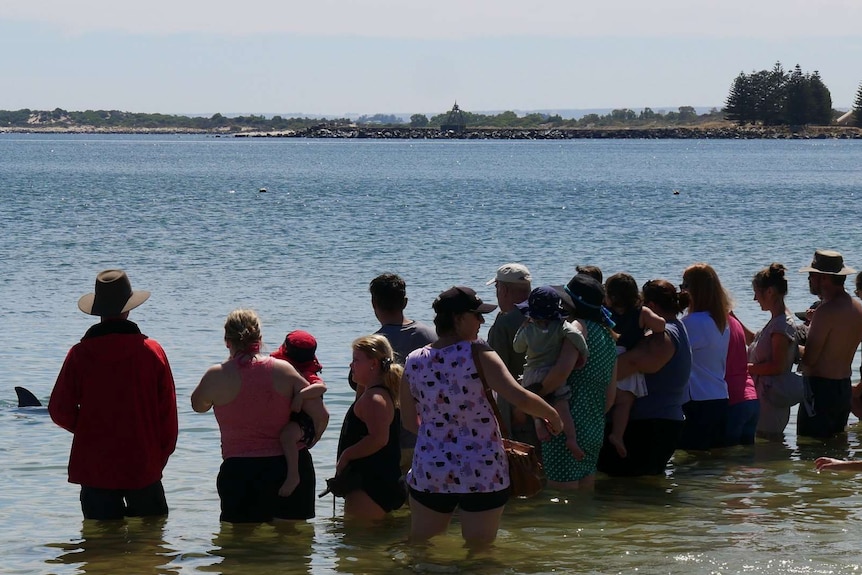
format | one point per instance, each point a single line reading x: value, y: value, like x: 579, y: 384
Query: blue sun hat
x: 584, y: 297
x: 543, y: 303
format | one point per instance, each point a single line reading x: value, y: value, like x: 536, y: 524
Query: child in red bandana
x: 299, y: 349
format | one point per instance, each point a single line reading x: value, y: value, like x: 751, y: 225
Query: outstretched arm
x: 500, y: 380
x: 823, y: 463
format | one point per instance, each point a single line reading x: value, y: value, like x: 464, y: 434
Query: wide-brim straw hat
x: 828, y: 262
x: 113, y: 295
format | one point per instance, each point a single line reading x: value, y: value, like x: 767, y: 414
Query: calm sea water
x: 184, y: 217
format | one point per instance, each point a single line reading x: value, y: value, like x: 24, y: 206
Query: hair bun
x: 777, y: 270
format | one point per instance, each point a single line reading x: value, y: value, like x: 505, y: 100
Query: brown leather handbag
x: 526, y: 476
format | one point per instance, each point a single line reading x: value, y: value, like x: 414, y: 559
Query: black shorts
x: 705, y: 422
x: 98, y: 503
x: 470, y: 502
x: 829, y: 400
x: 650, y: 444
x: 389, y: 495
x: 248, y: 489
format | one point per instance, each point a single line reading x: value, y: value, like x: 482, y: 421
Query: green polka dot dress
x: 587, y: 406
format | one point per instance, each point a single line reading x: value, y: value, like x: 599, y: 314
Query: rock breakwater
x: 675, y: 133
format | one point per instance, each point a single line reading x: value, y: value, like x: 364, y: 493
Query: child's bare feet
x: 618, y: 444
x: 575, y: 449
x: 542, y: 431
x: 289, y: 485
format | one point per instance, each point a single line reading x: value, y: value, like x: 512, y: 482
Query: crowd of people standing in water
x: 599, y: 376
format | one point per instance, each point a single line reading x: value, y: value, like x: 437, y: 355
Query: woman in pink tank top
x: 251, y: 395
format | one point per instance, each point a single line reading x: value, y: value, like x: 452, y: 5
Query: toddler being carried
x: 541, y: 337
x: 633, y: 320
x: 299, y: 349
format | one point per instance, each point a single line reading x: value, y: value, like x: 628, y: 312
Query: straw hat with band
x: 828, y: 262
x: 113, y: 295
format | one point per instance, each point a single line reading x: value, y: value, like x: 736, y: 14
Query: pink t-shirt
x: 740, y: 385
x: 251, y: 423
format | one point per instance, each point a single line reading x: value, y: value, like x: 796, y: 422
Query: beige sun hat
x: 828, y: 262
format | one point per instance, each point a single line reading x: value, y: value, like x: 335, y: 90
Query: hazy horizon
x: 334, y: 58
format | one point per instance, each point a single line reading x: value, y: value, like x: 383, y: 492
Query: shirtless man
x: 833, y: 336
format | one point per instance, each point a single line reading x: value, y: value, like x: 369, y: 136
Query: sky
x: 338, y: 57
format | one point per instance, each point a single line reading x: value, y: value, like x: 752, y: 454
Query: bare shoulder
x: 482, y: 346
x: 375, y: 402
x: 377, y: 396
x: 286, y: 379
x: 215, y: 387
x: 840, y: 308
x: 215, y: 373
x: 281, y: 366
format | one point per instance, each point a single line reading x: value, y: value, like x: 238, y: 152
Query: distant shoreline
x: 407, y: 133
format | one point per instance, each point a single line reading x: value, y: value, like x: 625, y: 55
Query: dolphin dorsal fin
x: 26, y: 398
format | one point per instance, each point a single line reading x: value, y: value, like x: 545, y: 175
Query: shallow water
x: 184, y: 217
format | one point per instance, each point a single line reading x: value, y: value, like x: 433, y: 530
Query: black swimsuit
x: 380, y: 472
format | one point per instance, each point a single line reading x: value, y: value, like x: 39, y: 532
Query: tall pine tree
x: 798, y: 107
x: 774, y: 97
x: 821, y: 111
x: 739, y: 106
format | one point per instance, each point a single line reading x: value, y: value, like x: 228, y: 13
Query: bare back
x: 834, y: 335
x: 221, y: 384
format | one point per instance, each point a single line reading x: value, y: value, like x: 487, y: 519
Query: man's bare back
x: 833, y: 337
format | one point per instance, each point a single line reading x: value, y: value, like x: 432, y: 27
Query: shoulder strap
x: 488, y: 393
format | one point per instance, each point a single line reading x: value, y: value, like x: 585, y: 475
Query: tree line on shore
x: 775, y: 97
x: 115, y: 119
x: 768, y: 97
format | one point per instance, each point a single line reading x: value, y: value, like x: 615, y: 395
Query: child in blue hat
x: 541, y: 338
